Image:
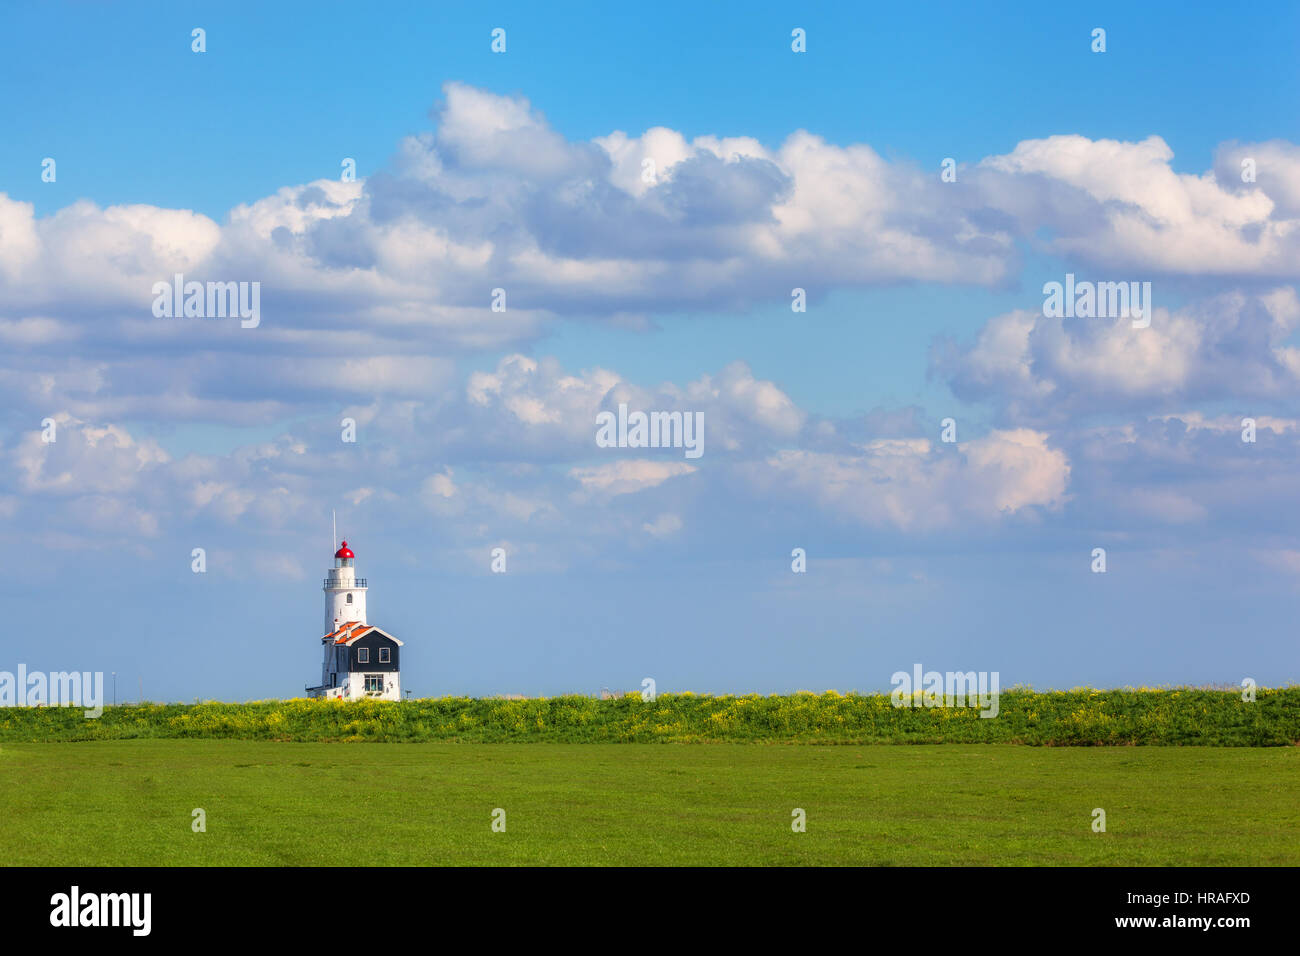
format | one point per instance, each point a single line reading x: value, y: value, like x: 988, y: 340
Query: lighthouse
x: 345, y: 593
x: 361, y: 660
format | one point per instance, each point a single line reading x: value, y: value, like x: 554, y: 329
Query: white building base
x: 353, y: 687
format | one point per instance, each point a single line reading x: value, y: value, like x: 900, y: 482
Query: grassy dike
x: 1083, y: 717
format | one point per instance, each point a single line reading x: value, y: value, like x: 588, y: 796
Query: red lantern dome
x: 344, y: 552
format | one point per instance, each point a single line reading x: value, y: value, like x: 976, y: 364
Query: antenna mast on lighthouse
x: 334, y: 526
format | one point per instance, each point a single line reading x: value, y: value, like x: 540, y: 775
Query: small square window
x: 385, y: 655
x: 363, y: 655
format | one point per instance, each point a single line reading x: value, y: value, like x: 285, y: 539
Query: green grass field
x: 129, y: 802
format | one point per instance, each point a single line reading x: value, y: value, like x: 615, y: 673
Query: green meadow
x: 131, y: 802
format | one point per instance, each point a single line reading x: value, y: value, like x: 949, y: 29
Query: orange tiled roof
x: 343, y: 629
x: 354, y: 629
x: 357, y: 632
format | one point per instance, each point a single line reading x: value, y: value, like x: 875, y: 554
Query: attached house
x: 361, y: 660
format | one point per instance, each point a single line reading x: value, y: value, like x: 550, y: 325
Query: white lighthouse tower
x: 360, y: 659
x: 345, y: 593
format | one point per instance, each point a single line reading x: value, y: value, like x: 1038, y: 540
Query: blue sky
x: 520, y: 170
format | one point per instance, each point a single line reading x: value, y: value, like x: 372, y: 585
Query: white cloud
x: 371, y: 284
x: 911, y: 485
x: 83, y: 458
x: 628, y: 475
x: 1123, y: 206
x: 1038, y: 368
x: 372, y: 289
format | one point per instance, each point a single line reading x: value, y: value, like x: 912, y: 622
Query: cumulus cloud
x: 83, y: 255
x: 912, y: 485
x: 370, y: 286
x: 515, y: 455
x: 374, y: 292
x: 504, y: 460
x: 536, y: 404
x: 1122, y: 206
x: 1038, y: 368
x: 82, y: 459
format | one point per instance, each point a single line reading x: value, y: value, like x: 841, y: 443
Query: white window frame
x: 363, y: 655
x: 385, y: 655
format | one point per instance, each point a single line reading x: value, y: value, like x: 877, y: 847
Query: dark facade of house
x: 373, y: 652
